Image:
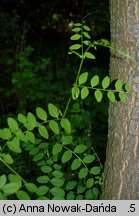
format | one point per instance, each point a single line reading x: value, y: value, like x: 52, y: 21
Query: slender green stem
x: 67, y: 106
x: 12, y: 170
x: 78, y: 158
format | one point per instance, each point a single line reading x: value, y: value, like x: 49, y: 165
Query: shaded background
x: 36, y: 68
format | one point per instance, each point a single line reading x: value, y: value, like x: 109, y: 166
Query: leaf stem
x: 12, y: 170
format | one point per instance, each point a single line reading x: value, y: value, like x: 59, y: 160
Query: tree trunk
x: 121, y: 173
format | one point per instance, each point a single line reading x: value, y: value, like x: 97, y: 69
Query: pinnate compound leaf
x: 106, y: 82
x: 66, y: 156
x: 75, y: 37
x: 83, y: 173
x: 83, y: 78
x: 98, y: 95
x: 111, y: 96
x: 54, y: 127
x: 95, y: 81
x: 41, y: 113
x: 14, y: 145
x: 22, y: 195
x: 84, y: 93
x: 80, y: 149
x: 75, y: 47
x: 65, y: 123
x: 13, y: 125
x: 75, y: 164
x: 43, y: 131
x: 57, y: 148
x: 53, y: 110
x: 89, y: 55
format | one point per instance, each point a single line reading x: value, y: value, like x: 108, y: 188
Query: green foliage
x: 64, y: 167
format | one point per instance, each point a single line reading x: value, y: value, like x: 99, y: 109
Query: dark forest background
x: 35, y: 67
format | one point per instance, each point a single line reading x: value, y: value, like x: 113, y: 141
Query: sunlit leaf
x: 65, y: 123
x: 54, y: 127
x: 84, y: 93
x: 95, y: 81
x: 14, y: 145
x: 111, y: 96
x: 12, y: 123
x: 83, y: 78
x: 98, y: 95
x: 118, y: 84
x: 89, y: 55
x: 75, y: 47
x: 53, y: 110
x: 122, y: 96
x: 41, y: 113
x: 43, y: 131
x: 86, y: 35
x: 22, y: 195
x: 106, y: 82
x: 75, y: 37
x: 75, y: 92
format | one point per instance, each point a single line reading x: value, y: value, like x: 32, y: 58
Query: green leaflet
x: 65, y: 123
x: 41, y: 113
x: 14, y: 145
x: 43, y: 131
x: 53, y: 110
x: 54, y: 127
x: 83, y: 78
x: 13, y: 125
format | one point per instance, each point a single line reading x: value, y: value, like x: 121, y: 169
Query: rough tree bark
x: 121, y: 174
